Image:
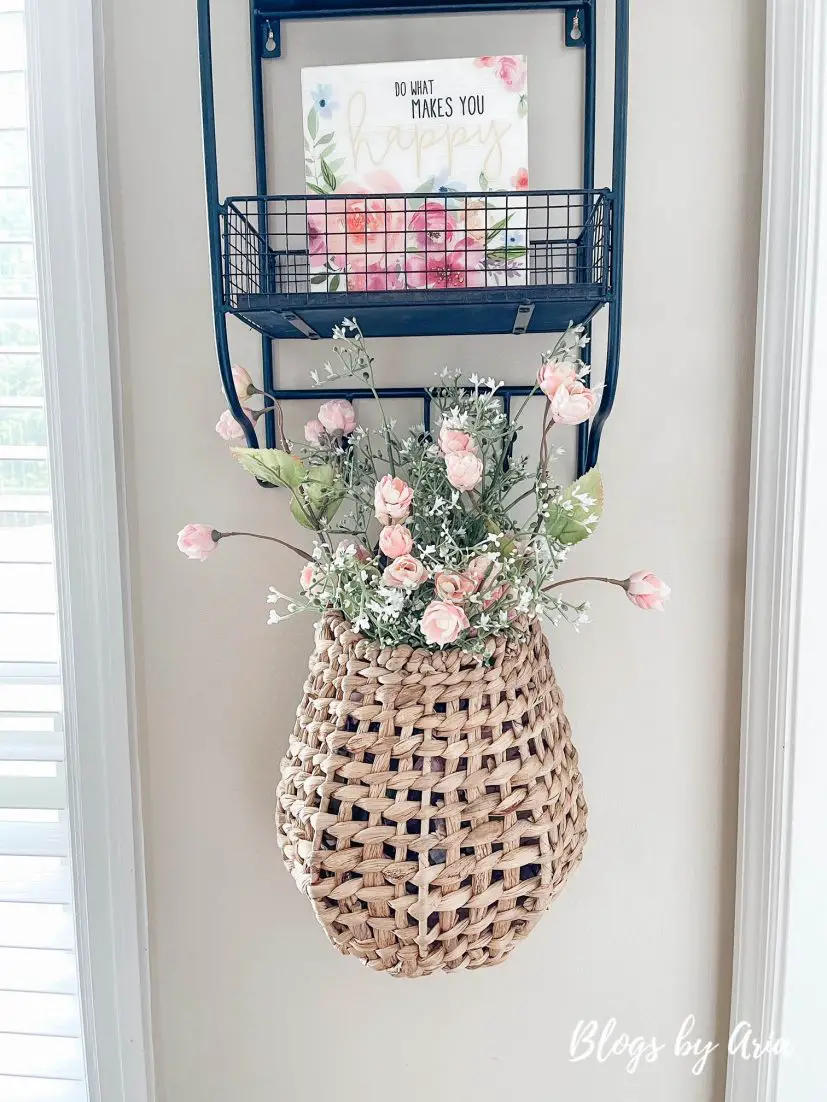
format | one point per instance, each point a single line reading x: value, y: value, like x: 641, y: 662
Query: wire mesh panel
x: 303, y: 249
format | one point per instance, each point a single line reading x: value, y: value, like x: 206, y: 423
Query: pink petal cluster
x: 554, y: 374
x: 647, y: 590
x: 314, y: 431
x: 464, y: 469
x: 406, y: 572
x: 307, y: 575
x: 573, y: 404
x: 197, y: 541
x: 395, y: 540
x: 442, y: 623
x: 482, y: 570
x: 453, y: 588
x: 338, y: 417
x: 454, y: 440
x: 228, y: 428
x: 392, y: 499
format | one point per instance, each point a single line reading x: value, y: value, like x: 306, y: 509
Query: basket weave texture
x: 430, y: 805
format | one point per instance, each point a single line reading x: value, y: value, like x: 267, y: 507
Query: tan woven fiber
x: 430, y: 806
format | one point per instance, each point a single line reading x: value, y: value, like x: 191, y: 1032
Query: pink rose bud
x: 392, y: 499
x: 338, y: 417
x: 573, y: 404
x: 454, y: 440
x: 314, y: 431
x: 646, y: 590
x: 482, y: 570
x: 406, y: 572
x: 453, y: 588
x: 228, y: 428
x: 464, y: 470
x: 442, y: 623
x: 552, y: 374
x: 244, y: 385
x: 395, y: 540
x: 307, y: 575
x: 197, y: 541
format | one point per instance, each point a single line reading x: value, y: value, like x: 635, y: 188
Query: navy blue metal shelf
x: 260, y: 254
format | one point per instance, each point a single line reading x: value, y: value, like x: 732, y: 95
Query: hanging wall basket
x: 430, y: 805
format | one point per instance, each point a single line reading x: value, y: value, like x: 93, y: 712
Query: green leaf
x: 512, y: 252
x: 575, y: 514
x: 495, y: 229
x: 318, y: 190
x: 426, y: 185
x: 323, y: 493
x: 325, y: 139
x: 319, y: 277
x: 334, y: 283
x: 483, y: 181
x: 329, y: 175
x: 522, y: 106
x: 271, y: 465
x: 312, y: 123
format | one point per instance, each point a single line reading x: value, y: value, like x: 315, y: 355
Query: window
x: 41, y: 1051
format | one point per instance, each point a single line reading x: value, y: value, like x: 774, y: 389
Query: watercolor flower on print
x: 520, y: 179
x: 323, y: 100
x: 508, y: 69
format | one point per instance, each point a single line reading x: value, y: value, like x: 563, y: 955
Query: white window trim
x: 71, y: 220
x: 780, y: 964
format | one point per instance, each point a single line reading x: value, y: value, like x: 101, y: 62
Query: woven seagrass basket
x: 430, y: 805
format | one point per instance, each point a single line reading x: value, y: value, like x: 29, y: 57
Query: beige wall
x: 249, y: 1002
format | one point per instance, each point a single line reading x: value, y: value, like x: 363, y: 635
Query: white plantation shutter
x: 41, y: 1052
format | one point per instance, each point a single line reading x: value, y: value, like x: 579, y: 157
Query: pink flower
x: 553, y: 373
x: 228, y: 428
x: 392, y: 499
x: 314, y: 431
x: 494, y: 595
x: 373, y: 225
x: 307, y: 575
x: 573, y: 403
x: 455, y: 267
x: 395, y: 540
x: 244, y: 385
x: 338, y: 417
x: 646, y: 590
x: 453, y: 588
x: 197, y: 541
x: 454, y: 440
x: 406, y: 572
x: 442, y: 622
x: 486, y: 62
x: 432, y: 226
x: 464, y: 469
x: 511, y: 71
x: 482, y: 570
x: 520, y: 179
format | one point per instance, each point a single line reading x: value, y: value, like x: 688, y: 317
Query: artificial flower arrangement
x: 431, y: 804
x: 432, y: 541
